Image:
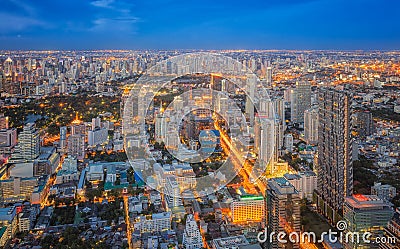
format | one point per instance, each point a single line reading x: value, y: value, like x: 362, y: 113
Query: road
x: 243, y: 166
x: 127, y: 221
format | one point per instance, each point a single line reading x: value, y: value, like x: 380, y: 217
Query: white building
x: 97, y: 136
x: 172, y: 193
x: 304, y: 182
x: 24, y: 222
x: 153, y: 223
x: 95, y: 172
x: 160, y: 128
x: 28, y: 147
x: 191, y: 237
x: 70, y: 163
x: 289, y: 142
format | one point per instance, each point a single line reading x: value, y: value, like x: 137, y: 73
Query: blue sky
x: 206, y: 24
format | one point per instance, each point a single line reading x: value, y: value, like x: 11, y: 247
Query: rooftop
x: 230, y: 242
x: 360, y: 201
x: 281, y: 186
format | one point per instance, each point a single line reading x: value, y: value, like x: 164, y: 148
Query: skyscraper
x: 28, y: 142
x: 279, y: 107
x: 160, y: 128
x: 269, y: 76
x: 283, y: 211
x: 251, y: 83
x: 172, y: 192
x: 301, y: 101
x: 335, y: 173
x: 311, y: 125
x: 8, y: 67
x: 264, y: 139
x: 63, y: 137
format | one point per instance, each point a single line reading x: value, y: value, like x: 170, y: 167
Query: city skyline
x: 116, y: 24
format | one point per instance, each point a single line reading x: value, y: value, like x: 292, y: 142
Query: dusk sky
x: 206, y: 24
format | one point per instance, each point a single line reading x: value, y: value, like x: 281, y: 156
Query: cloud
x: 103, y: 3
x: 118, y: 24
x: 19, y: 23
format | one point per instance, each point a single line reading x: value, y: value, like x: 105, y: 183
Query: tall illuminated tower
x: 335, y: 172
x: 251, y: 82
x: 301, y: 101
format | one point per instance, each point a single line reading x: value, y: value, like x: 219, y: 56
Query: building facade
x: 248, y: 209
x: 335, y: 172
x: 301, y: 101
x: 283, y: 212
x: 365, y: 213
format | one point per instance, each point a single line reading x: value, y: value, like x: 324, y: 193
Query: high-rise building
x: 97, y: 136
x: 78, y: 129
x: 264, y: 138
x: 279, y: 108
x: 269, y: 129
x: 283, y: 212
x: 289, y: 142
x: 29, y: 143
x: 160, y: 128
x: 365, y: 213
x: 251, y: 83
x: 335, y: 172
x: 76, y: 146
x: 363, y: 123
x: 248, y: 209
x: 63, y: 137
x: 301, y: 101
x: 96, y: 123
x: 47, y: 162
x: 311, y: 125
x: 269, y: 76
x: 305, y: 182
x: 172, y: 194
x: 8, y: 67
x: 287, y: 95
x: 191, y: 237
